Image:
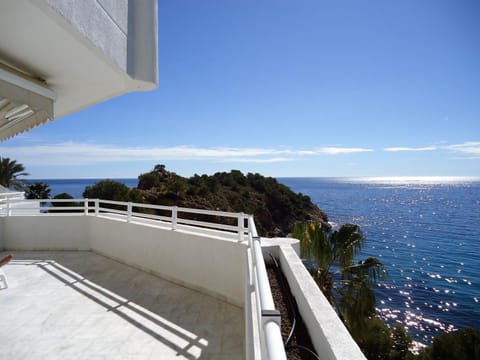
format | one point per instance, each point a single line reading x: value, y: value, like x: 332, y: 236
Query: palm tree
x: 10, y: 170
x: 38, y: 190
x: 347, y: 285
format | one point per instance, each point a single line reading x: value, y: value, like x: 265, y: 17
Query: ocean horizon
x: 59, y: 185
x: 424, y: 230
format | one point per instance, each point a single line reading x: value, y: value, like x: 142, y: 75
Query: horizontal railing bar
x: 206, y: 224
x: 41, y: 207
x: 114, y: 211
x: 112, y: 202
x: 151, y: 206
x: 11, y: 197
x: 269, y: 325
x: 48, y: 201
x: 60, y: 208
x: 151, y: 216
x: 266, y: 298
x: 208, y: 212
x: 64, y: 200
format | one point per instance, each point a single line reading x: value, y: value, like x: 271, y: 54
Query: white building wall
x: 104, y: 23
x: 212, y: 265
x: 61, y: 56
x: 121, y: 29
x: 45, y: 232
x: 117, y: 9
x: 208, y: 264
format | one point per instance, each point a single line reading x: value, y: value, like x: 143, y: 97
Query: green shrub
x: 460, y: 345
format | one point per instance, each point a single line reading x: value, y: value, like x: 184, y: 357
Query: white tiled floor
x: 80, y: 305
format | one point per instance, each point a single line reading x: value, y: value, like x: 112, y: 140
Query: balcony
x: 65, y: 304
x: 106, y: 279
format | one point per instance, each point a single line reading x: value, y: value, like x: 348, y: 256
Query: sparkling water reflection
x: 426, y: 231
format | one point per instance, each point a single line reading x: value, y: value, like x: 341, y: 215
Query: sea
x: 426, y: 231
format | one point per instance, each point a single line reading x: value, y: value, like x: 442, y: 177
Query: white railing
x: 18, y: 195
x: 267, y: 319
x: 172, y: 215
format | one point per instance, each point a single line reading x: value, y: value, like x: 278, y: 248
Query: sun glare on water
x: 412, y: 180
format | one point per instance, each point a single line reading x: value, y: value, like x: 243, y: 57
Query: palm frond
x: 372, y: 268
x: 10, y: 170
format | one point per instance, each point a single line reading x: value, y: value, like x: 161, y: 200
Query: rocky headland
x: 275, y: 206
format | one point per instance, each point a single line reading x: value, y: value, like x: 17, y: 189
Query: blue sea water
x: 76, y: 187
x: 426, y: 231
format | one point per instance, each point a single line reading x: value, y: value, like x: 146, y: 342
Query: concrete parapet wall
x: 208, y: 264
x: 213, y: 265
x: 329, y: 336
x: 45, y: 233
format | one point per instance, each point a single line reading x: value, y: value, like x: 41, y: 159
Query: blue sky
x: 287, y: 88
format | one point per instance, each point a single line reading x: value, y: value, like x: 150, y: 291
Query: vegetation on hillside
x: 275, y: 207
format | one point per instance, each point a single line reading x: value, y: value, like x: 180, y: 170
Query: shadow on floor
x: 192, y: 324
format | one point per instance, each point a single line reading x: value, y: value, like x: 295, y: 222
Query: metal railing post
x: 97, y: 207
x: 9, y: 211
x: 174, y: 217
x: 129, y: 211
x: 85, y: 206
x: 241, y: 226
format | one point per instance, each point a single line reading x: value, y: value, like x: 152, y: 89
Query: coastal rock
x: 275, y: 206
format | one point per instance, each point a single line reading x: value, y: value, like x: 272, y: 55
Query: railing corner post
x: 241, y: 226
x: 97, y: 207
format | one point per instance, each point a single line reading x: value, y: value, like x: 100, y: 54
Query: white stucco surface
x: 329, y: 336
x: 117, y: 9
x: 198, y: 261
x: 210, y: 264
x: 80, y: 52
x: 45, y: 232
x: 101, y: 23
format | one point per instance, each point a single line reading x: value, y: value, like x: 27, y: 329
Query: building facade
x: 60, y: 56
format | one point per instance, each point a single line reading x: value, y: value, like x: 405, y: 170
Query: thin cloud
x: 466, y: 150
x: 72, y: 153
x: 260, y: 161
x: 412, y: 149
x: 471, y: 148
x: 341, y: 150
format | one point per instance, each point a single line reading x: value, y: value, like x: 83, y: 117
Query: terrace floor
x: 80, y: 305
